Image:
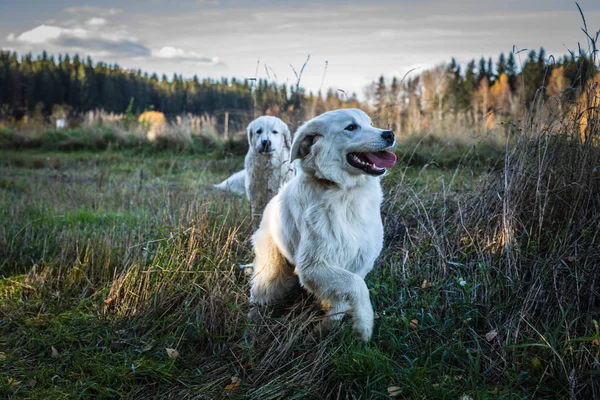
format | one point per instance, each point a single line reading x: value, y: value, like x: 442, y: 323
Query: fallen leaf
x: 414, y: 324
x: 172, y: 353
x: 394, y: 391
x: 31, y: 383
x: 234, y: 386
x: 13, y: 382
x: 54, y: 352
x: 108, y: 301
x: 491, y: 335
x: 595, y: 342
x: 426, y: 284
x: 2, y: 356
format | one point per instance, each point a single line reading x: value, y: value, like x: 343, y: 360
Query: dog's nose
x: 388, y: 136
x: 266, y: 144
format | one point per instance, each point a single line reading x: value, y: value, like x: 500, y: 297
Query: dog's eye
x: 258, y: 132
x: 351, y: 127
x: 274, y: 132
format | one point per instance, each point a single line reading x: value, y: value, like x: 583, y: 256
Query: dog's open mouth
x: 374, y: 163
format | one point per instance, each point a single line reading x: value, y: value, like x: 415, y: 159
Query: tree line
x: 29, y: 84
x: 483, y: 93
x: 447, y: 96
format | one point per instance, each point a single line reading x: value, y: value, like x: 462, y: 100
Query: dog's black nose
x: 266, y: 144
x: 388, y: 136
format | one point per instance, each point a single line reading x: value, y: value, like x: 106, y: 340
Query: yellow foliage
x: 154, y: 121
x: 500, y: 94
x: 586, y: 110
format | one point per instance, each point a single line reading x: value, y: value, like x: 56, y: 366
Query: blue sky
x: 359, y: 41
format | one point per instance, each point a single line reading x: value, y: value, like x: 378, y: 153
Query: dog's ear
x: 302, y: 144
x: 304, y: 138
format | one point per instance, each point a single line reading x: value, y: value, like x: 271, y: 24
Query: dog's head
x: 268, y: 135
x: 342, y: 145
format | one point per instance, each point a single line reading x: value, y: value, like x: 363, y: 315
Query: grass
x: 109, y: 258
x: 99, y: 137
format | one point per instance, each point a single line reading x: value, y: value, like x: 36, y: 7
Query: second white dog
x: 324, y: 227
x: 267, y: 164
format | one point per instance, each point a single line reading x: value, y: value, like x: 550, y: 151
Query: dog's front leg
x: 337, y: 285
x: 341, y: 286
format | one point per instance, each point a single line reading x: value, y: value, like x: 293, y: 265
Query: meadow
x: 119, y: 275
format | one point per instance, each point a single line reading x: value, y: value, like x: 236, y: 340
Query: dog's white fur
x: 268, y: 165
x: 325, y: 222
x: 236, y: 183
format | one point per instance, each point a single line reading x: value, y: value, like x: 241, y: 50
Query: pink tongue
x: 382, y: 159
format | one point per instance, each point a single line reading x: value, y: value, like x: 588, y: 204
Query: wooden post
x: 226, y: 132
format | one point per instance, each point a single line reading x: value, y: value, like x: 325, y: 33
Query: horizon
x: 269, y: 40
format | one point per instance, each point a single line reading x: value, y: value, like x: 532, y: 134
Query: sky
x: 350, y: 43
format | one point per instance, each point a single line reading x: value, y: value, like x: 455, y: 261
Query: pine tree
x: 511, y: 70
x: 481, y: 70
x: 500, y: 65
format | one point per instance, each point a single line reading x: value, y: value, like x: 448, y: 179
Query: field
x: 119, y: 279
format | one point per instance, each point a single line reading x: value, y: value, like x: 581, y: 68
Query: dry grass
x: 487, y: 285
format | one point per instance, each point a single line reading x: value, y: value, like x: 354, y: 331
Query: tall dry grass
x: 525, y: 245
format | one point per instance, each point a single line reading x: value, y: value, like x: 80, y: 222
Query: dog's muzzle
x: 266, y: 147
x: 375, y: 162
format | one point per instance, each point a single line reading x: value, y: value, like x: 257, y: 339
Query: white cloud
x: 46, y: 33
x: 96, y: 21
x: 175, y: 53
x: 92, y: 41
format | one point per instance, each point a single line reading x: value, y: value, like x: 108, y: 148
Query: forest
x: 474, y: 95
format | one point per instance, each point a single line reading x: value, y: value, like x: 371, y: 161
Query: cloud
x: 177, y: 54
x: 87, y: 9
x: 45, y: 33
x: 90, y: 40
x: 96, y: 21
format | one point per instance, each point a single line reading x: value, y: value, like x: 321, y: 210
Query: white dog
x: 326, y: 221
x: 236, y: 183
x: 267, y: 164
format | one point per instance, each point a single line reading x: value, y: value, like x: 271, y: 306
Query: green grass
x: 99, y: 138
x: 113, y: 257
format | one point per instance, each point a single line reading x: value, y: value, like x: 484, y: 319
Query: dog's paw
x: 363, y: 324
x: 364, y: 330
x: 247, y: 268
